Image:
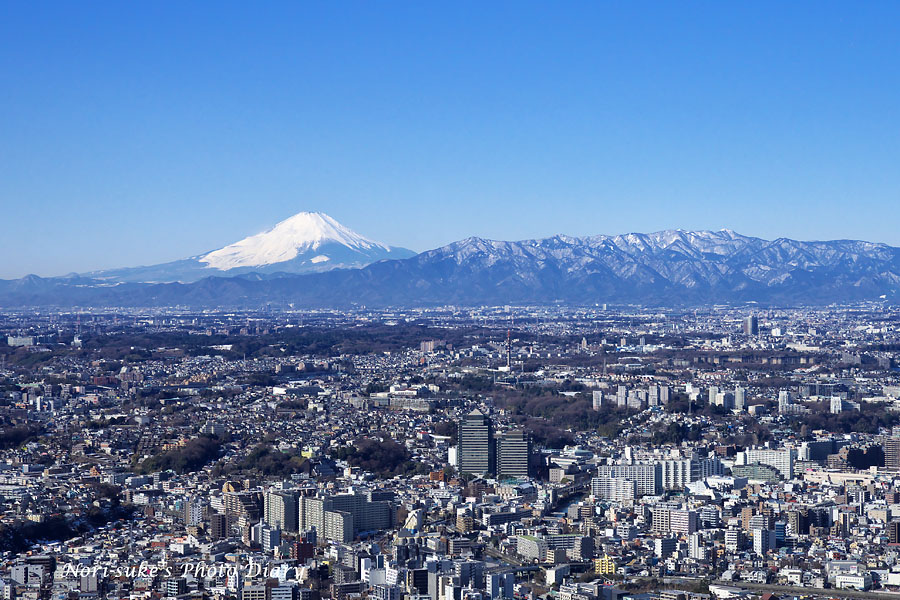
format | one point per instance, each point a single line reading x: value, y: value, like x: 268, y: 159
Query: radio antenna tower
x: 509, y: 340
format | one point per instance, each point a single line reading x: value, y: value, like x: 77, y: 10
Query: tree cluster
x: 267, y: 461
x: 196, y: 454
x: 868, y: 419
x: 12, y: 437
x: 384, y: 457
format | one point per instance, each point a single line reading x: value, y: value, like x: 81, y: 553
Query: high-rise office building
x: 514, y: 455
x: 751, y: 325
x: 476, y: 452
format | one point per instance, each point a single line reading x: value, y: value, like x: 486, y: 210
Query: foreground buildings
x: 593, y: 454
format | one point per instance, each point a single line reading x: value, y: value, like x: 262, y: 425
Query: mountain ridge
x: 669, y: 267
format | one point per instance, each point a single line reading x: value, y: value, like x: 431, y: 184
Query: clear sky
x: 140, y: 132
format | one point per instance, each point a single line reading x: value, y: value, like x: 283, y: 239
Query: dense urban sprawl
x: 605, y: 453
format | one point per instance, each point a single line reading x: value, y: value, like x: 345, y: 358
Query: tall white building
x: 739, y: 398
x: 783, y: 460
x: 763, y: 541
x: 784, y: 401
x: 617, y: 489
x: 677, y: 473
x: 193, y: 512
x: 683, y: 521
x: 734, y: 540
x: 663, y: 547
x: 646, y: 477
x: 270, y: 538
x: 696, y: 548
x: 281, y: 509
x: 341, y: 516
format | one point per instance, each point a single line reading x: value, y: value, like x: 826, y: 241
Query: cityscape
x: 449, y: 301
x: 499, y: 452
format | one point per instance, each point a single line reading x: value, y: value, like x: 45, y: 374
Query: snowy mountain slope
x: 307, y: 242
x: 662, y: 268
x: 304, y: 232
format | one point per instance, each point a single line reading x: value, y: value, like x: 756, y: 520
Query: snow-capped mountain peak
x: 308, y: 242
x: 303, y: 232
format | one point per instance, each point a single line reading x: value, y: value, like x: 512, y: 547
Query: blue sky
x: 135, y: 133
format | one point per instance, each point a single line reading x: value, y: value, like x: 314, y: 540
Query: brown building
x: 894, y: 532
x: 892, y: 454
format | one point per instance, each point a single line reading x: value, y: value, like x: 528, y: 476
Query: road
x: 790, y: 590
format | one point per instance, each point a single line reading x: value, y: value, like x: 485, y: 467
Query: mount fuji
x: 289, y: 265
x: 308, y: 242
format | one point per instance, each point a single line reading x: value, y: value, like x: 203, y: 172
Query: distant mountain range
x: 665, y: 268
x: 308, y: 242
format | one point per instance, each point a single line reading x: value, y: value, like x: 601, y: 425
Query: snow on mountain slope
x: 303, y: 232
x: 675, y: 267
x: 305, y: 243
